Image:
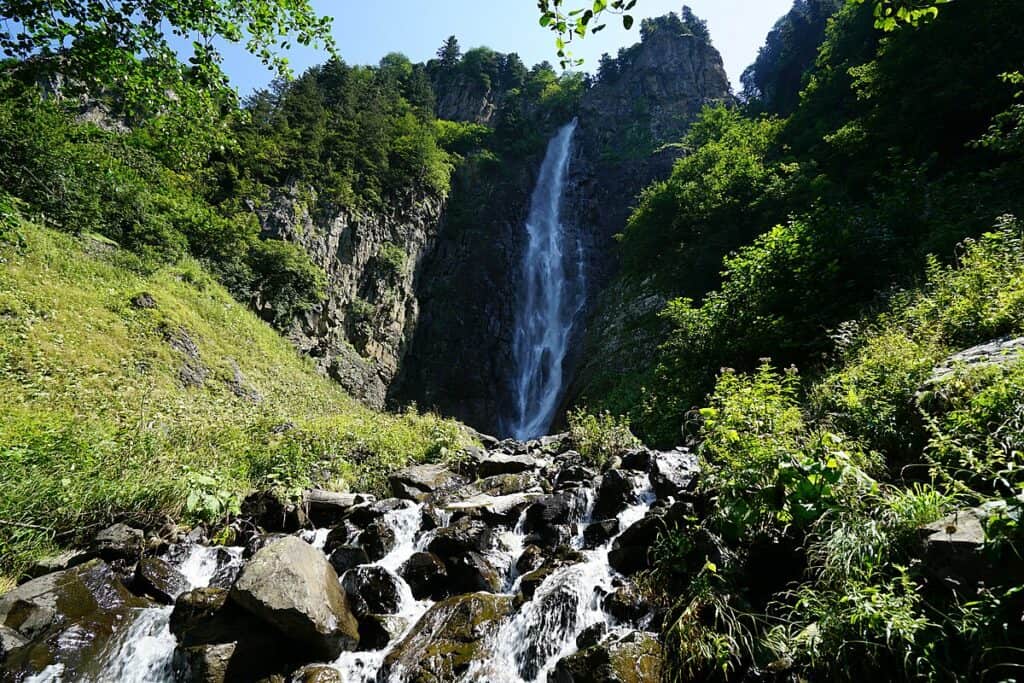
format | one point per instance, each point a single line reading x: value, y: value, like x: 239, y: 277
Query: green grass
x: 95, y: 424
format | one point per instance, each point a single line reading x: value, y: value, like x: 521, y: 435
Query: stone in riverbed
x: 448, y: 638
x: 326, y: 508
x: 317, y: 674
x: 66, y: 618
x: 635, y: 658
x: 119, y: 542
x: 347, y: 557
x: 291, y: 586
x: 420, y: 482
x: 497, y: 464
x: 203, y: 663
x: 57, y: 563
x: 532, y: 558
x: 426, y: 575
x: 459, y: 537
x: 158, y: 580
x: 598, y: 533
x: 471, y: 572
x: 617, y: 491
x: 674, y: 473
x: 372, y: 590
x: 630, y: 551
x: 493, y: 511
x: 378, y: 539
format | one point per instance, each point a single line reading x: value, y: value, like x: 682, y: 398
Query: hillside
x: 148, y: 393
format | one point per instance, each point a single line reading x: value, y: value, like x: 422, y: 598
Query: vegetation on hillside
x: 143, y: 392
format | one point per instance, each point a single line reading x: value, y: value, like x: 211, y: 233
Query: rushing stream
x: 551, y: 297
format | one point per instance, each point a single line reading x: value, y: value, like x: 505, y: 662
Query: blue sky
x: 366, y: 30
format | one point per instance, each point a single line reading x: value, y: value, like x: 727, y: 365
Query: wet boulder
x: 203, y: 663
x: 461, y: 536
x: 56, y: 563
x: 326, y: 508
x: 531, y: 558
x: 291, y: 586
x: 599, y: 533
x: 616, y: 493
x: 630, y: 553
x: 635, y: 658
x: 447, y: 639
x: 638, y: 459
x: 317, y: 673
x: 549, y: 519
x: 573, y: 477
x: 119, y: 542
x: 674, y: 473
x: 626, y: 604
x: 203, y: 616
x: 159, y: 581
x: 377, y: 630
x: 66, y: 618
x: 496, y: 464
x: 347, y: 557
x: 260, y: 541
x: 426, y: 575
x: 372, y: 590
x: 420, y: 482
x: 472, y: 571
x: 493, y: 511
x: 378, y: 539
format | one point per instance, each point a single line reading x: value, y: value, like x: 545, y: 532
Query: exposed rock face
x: 358, y: 334
x: 461, y: 352
x: 661, y: 86
x: 465, y: 99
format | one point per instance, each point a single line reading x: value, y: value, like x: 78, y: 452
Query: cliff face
x: 358, y: 335
x: 459, y: 359
x: 655, y: 91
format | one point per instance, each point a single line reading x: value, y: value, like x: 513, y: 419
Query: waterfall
x: 550, y: 298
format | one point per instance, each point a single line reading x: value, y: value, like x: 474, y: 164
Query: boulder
x: 615, y: 494
x: 496, y: 464
x: 204, y: 663
x: 291, y: 586
x: 549, y: 519
x: 420, y: 482
x: 376, y: 631
x: 471, y: 571
x: 493, y: 511
x: 599, y: 533
x: 674, y: 473
x: 635, y: 658
x: 531, y: 558
x: 447, y: 639
x: 317, y: 673
x: 204, y: 616
x: 591, y: 635
x: 66, y: 618
x: 372, y: 590
x: 326, y: 508
x: 56, y: 563
x: 347, y: 557
x: 459, y: 537
x: 270, y: 513
x: 626, y: 604
x: 378, y: 539
x: 426, y: 575
x: 638, y: 459
x: 953, y: 548
x: 573, y: 477
x: 158, y: 580
x: 260, y: 541
x: 630, y: 552
x: 119, y: 542
x: 10, y: 640
x: 496, y: 486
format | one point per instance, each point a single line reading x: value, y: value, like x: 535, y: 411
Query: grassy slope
x: 96, y: 425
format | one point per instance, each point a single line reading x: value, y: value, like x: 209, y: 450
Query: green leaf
x: 627, y: 22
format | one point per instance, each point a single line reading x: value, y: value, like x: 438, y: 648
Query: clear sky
x: 366, y: 30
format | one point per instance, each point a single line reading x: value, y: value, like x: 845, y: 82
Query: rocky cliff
x: 359, y: 333
x: 460, y: 356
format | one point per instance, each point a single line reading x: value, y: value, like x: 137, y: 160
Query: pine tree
x: 450, y: 52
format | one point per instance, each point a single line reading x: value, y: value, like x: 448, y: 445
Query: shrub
x: 598, y: 438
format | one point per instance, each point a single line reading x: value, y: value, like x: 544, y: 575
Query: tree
x: 696, y: 25
x: 127, y: 45
x: 450, y: 52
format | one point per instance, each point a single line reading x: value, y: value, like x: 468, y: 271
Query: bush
x: 598, y: 438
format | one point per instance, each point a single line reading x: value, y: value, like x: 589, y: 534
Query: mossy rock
x: 636, y: 658
x: 448, y: 638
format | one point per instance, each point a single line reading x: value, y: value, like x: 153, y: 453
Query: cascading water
x: 550, y: 298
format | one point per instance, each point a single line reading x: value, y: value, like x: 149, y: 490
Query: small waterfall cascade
x: 551, y: 296
x: 552, y: 582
